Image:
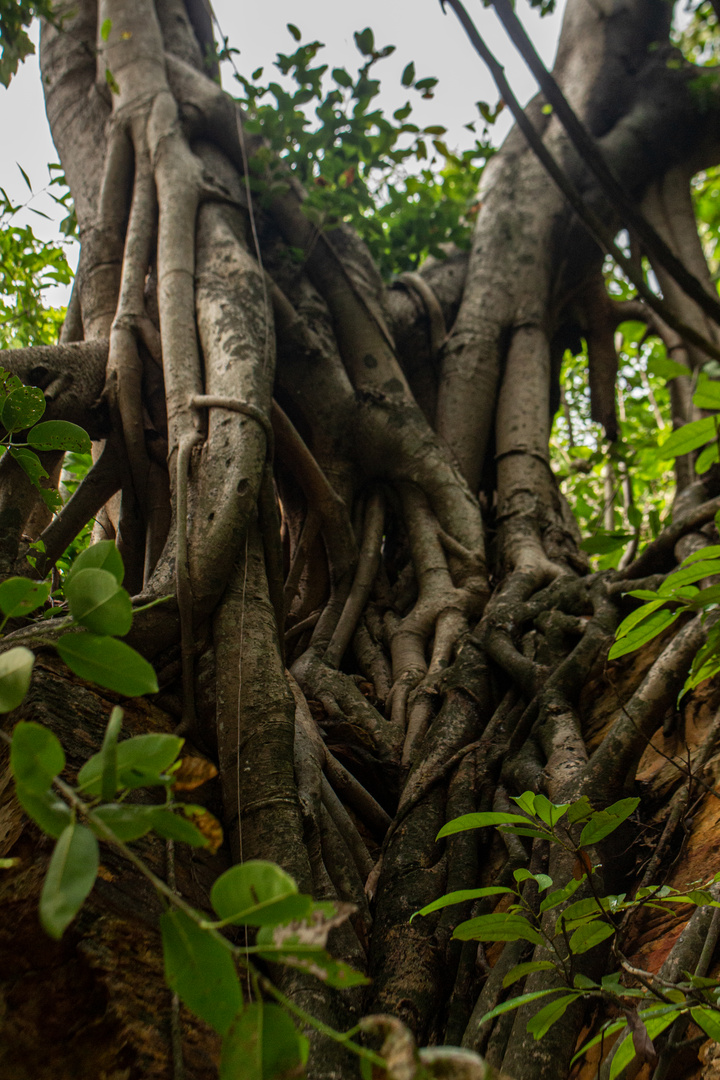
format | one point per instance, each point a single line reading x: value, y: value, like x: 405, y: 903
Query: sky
x: 419, y: 29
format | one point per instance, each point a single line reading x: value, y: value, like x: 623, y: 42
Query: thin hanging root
x: 184, y: 588
x: 124, y: 367
x: 367, y: 568
x: 100, y: 484
x: 310, y: 529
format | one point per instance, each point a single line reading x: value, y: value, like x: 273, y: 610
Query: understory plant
x: 561, y: 927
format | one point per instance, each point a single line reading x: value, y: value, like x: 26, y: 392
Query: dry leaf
x: 193, y: 772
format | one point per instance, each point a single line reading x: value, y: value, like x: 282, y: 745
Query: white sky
x: 419, y: 29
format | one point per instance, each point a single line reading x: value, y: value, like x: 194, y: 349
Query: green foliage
x: 640, y: 482
x: 28, y: 268
x: 567, y: 928
x: 355, y: 162
x: 677, y: 595
x: 15, y: 17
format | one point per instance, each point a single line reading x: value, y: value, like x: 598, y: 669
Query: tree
x: 381, y: 614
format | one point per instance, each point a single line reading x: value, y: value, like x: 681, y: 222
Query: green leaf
x: 548, y: 812
x: 98, y: 603
x: 638, y: 616
x: 15, y: 672
x: 521, y: 970
x: 22, y: 408
x: 294, y: 31
x: 500, y: 926
x: 138, y: 758
x: 342, y: 78
x: 707, y: 395
x: 515, y: 1003
x: 559, y: 896
x: 541, y: 1023
x: 708, y: 1020
x: 604, y: 822
x: 712, y: 551
x: 653, y: 1025
x: 408, y: 78
x: 46, y: 809
x: 200, y: 969
x: 262, y: 1044
x: 30, y: 464
x: 479, y: 821
x: 589, y: 935
x: 665, y: 368
x: 36, y: 756
x: 101, y: 556
x: 59, y: 435
x: 687, y: 438
x: 605, y: 543
x: 127, y: 822
x: 458, y: 897
x: 19, y: 596
x: 257, y: 893
x: 108, y: 756
x: 105, y: 29
x: 174, y: 827
x: 542, y: 880
x: 579, y: 810
x: 70, y: 877
x: 108, y: 662
x: 650, y: 627
x: 687, y: 575
x: 365, y: 41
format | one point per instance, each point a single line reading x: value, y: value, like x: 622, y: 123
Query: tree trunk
x: 363, y: 651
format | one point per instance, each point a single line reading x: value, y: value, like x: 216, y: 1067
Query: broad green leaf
x: 708, y: 1020
x: 516, y: 1002
x: 500, y: 926
x: 707, y: 395
x: 22, y: 408
x: 59, y: 435
x: 138, y: 758
x: 365, y: 41
x: 582, y: 911
x: 521, y: 970
x: 200, y: 969
x: 36, y: 757
x: 105, y: 29
x: 479, y: 821
x: 605, y: 543
x: 70, y: 877
x: 589, y: 935
x: 712, y: 551
x: 15, y: 672
x: 635, y: 617
x: 45, y: 808
x: 19, y: 596
x: 706, y: 458
x: 654, y: 1026
x: 342, y: 78
x: 294, y: 31
x: 548, y: 812
x: 408, y: 75
x: 541, y: 1023
x: 579, y: 810
x: 687, y: 438
x: 175, y: 827
x: 127, y: 822
x: 101, y: 556
x: 559, y: 896
x: 30, y: 463
x: 543, y: 881
x: 526, y: 802
x: 108, y: 662
x: 108, y: 756
x: 459, y: 896
x: 257, y: 893
x: 262, y: 1044
x: 686, y: 575
x: 662, y: 366
x: 604, y: 822
x: 98, y: 603
x: 648, y: 629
